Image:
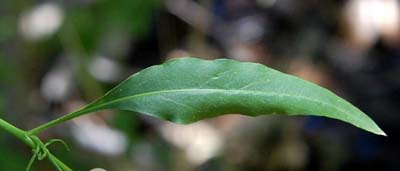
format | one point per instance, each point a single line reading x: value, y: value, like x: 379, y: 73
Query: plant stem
x: 59, y: 120
x: 22, y: 135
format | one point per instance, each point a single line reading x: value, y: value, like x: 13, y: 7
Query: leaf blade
x: 186, y: 90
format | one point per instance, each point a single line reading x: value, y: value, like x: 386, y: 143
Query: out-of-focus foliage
x: 96, y: 19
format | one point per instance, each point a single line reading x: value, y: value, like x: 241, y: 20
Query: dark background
x: 56, y: 56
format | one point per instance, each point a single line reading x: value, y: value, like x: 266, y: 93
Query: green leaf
x: 186, y: 90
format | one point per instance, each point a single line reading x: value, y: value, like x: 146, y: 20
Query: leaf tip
x: 382, y: 133
x: 379, y: 131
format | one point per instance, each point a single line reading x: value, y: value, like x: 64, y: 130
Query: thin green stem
x: 20, y: 134
x: 62, y: 165
x: 59, y: 120
x: 24, y: 137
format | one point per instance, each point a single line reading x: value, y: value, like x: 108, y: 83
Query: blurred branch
x: 73, y: 47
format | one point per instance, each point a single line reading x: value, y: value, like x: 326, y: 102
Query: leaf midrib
x: 224, y: 90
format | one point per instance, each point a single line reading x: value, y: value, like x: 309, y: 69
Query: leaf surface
x: 186, y: 90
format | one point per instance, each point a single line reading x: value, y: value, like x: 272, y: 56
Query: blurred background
x: 56, y: 56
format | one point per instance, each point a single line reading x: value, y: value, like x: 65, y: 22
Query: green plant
x: 186, y: 90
